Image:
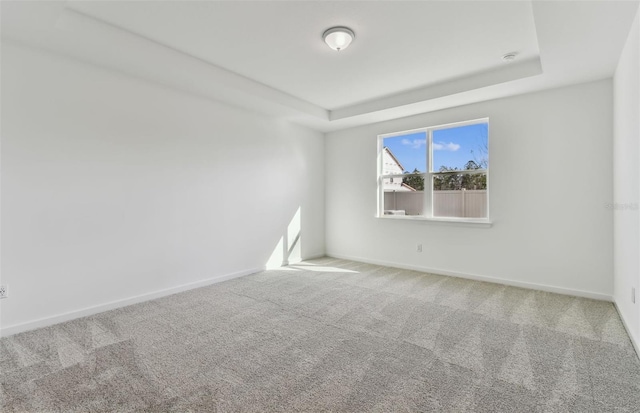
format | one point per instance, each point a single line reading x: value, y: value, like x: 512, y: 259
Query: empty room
x: 320, y: 206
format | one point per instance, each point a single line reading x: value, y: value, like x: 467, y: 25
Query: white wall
x: 114, y: 188
x: 626, y: 178
x: 550, y: 182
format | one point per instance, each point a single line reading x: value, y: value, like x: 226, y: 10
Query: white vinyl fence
x: 464, y: 204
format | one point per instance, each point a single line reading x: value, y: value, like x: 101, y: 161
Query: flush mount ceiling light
x: 509, y: 57
x: 338, y: 38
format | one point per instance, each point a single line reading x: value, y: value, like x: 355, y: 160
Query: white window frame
x: 428, y: 176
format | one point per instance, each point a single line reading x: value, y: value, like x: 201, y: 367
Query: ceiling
x: 408, y: 56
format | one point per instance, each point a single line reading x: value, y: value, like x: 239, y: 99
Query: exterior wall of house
x: 391, y: 166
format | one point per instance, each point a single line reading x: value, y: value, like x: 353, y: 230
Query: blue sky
x: 451, y: 147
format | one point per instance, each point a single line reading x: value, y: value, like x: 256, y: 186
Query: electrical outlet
x: 4, y: 291
x: 419, y: 248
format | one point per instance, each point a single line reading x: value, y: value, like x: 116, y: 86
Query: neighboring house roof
x: 394, y: 157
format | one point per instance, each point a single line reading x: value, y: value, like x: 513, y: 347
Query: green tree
x: 457, y: 181
x: 447, y: 182
x: 415, y: 180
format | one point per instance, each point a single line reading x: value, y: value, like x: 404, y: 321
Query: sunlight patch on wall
x: 289, y: 248
x: 294, y: 252
x: 277, y: 256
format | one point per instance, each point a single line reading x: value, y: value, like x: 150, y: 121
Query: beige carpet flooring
x: 331, y: 335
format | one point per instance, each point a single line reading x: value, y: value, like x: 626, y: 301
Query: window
x: 435, y: 172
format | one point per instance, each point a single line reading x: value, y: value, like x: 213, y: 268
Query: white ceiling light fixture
x: 338, y: 38
x: 509, y: 57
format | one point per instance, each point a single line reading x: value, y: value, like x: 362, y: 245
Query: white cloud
x: 415, y: 143
x: 443, y: 146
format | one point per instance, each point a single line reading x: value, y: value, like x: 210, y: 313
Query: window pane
x: 405, y: 153
x: 404, y: 196
x: 460, y: 148
x: 460, y: 195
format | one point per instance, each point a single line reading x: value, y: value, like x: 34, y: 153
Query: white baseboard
x: 634, y: 340
x: 476, y: 277
x: 47, y: 321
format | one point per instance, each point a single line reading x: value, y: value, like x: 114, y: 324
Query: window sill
x: 472, y: 222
